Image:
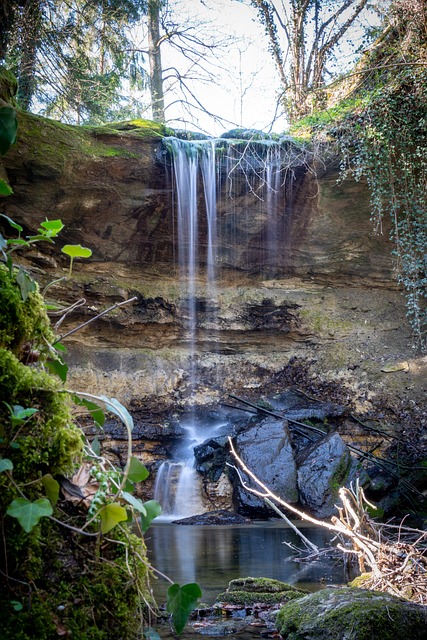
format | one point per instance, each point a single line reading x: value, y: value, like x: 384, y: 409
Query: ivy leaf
x: 26, y: 284
x: 12, y: 223
x: 5, y: 465
x: 29, y: 513
x: 5, y: 189
x: 19, y: 415
x: 51, y: 486
x: 95, y: 410
x: 116, y: 407
x: 96, y: 446
x: 8, y: 127
x: 137, y: 471
x: 51, y: 228
x: 134, y: 502
x: 75, y: 251
x: 111, y: 515
x: 38, y: 237
x: 181, y: 601
x: 17, y: 242
x: 59, y: 368
x: 152, y: 509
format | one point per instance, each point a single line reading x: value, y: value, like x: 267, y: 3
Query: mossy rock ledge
x: 351, y: 614
x: 249, y: 591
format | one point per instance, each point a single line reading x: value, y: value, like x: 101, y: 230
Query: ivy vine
x: 389, y: 138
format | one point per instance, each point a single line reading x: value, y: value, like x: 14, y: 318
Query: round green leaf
x: 76, y: 251
x: 111, y: 515
x: 6, y: 465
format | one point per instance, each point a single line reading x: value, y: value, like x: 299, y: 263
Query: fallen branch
x: 280, y: 416
x: 393, y: 566
x: 99, y: 315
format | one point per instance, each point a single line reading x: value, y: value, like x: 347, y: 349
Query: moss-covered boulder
x: 353, y: 614
x: 248, y: 591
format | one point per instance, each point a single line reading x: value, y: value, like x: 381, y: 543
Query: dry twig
x: 391, y: 561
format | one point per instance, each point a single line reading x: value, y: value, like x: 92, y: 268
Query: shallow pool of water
x: 212, y: 556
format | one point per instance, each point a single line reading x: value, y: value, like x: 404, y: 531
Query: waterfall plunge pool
x: 214, y: 555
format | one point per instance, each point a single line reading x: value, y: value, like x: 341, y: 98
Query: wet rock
x: 266, y: 449
x: 324, y: 467
x: 218, y: 517
x: 354, y: 614
x: 297, y: 406
x: 247, y: 591
x: 211, y: 457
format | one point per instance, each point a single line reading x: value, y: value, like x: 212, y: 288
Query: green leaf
x: 5, y: 465
x: 26, y: 284
x: 18, y: 606
x: 5, y: 189
x: 59, y: 368
x: 96, y: 446
x: 38, y: 237
x: 111, y: 515
x: 137, y: 471
x: 76, y: 251
x: 8, y: 127
x: 181, y: 601
x: 152, y: 509
x: 19, y: 415
x: 51, y: 228
x: 134, y: 502
x: 12, y: 223
x: 17, y: 242
x: 116, y: 407
x: 95, y: 410
x: 51, y: 486
x: 29, y: 513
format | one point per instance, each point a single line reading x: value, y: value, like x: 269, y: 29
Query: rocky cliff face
x: 331, y: 299
x: 327, y: 318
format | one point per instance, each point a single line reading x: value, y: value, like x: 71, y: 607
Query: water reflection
x: 212, y: 556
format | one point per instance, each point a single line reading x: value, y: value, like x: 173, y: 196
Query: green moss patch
x: 248, y: 591
x: 353, y: 614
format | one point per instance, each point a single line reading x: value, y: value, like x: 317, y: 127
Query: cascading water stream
x: 251, y: 167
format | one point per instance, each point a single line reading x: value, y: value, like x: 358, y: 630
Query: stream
x: 214, y: 555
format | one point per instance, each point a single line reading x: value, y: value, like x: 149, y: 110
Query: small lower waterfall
x: 226, y: 169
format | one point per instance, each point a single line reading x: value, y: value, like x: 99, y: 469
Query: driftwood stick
x: 99, y: 315
x: 281, y: 417
x: 291, y: 525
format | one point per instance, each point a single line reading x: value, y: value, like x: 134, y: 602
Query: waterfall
x: 233, y: 167
x: 208, y: 170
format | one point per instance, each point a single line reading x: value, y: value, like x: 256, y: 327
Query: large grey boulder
x: 324, y: 467
x: 351, y: 614
x: 266, y: 449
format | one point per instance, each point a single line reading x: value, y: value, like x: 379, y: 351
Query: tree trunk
x: 156, y: 79
x: 30, y: 35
